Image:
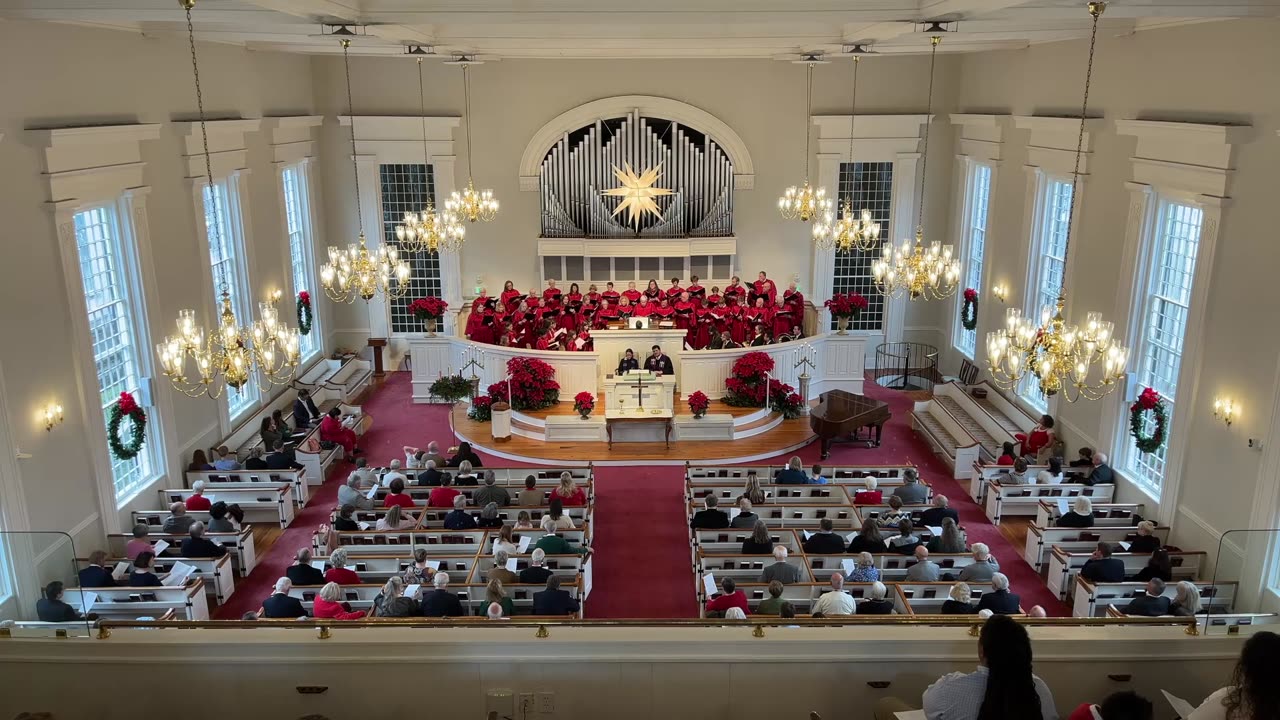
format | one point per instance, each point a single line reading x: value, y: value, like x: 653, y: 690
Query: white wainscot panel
x: 431, y: 358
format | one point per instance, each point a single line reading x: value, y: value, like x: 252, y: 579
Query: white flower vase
x: 842, y: 325
x: 431, y: 326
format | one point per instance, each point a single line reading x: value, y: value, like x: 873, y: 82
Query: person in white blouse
x: 835, y: 601
x: 505, y: 542
x: 1053, y: 474
x: 1253, y: 694
x: 396, y: 519
x: 392, y: 473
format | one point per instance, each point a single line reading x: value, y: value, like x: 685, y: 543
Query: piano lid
x: 839, y: 406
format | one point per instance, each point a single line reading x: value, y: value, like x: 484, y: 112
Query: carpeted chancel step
x: 970, y: 425
x: 998, y: 415
x: 939, y: 431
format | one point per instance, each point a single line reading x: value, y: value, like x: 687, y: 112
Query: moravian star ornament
x: 638, y: 193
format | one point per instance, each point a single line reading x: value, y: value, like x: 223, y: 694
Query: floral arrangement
x: 1149, y: 401
x: 746, y: 386
x: 304, y: 313
x: 584, y: 402
x: 698, y: 403
x: 429, y: 308
x: 969, y: 309
x: 787, y: 402
x: 481, y: 408
x: 846, y: 305
x: 126, y: 406
x: 534, y: 385
x: 451, y: 388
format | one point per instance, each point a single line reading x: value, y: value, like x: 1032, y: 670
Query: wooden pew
x: 420, y: 496
x: 982, y: 473
x: 436, y: 542
x: 1025, y: 499
x: 377, y: 569
x: 1093, y: 599
x: 261, y: 502
x: 361, y: 597
x: 239, y: 546
x: 433, y: 518
x: 798, y: 516
x: 217, y: 573
x: 730, y: 540
x: 893, y: 566
x: 1065, y: 565
x: 1218, y: 622
x: 1104, y: 514
x: 885, y: 475
x: 927, y: 598
x: 215, y: 478
x: 746, y: 569
x: 1040, y: 539
x: 728, y: 494
x: 189, y: 602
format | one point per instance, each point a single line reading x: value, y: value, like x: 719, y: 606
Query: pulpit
x: 638, y: 393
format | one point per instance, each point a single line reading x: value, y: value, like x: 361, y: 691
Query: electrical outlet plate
x: 546, y: 702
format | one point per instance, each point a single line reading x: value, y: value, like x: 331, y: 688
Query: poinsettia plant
x: 846, y: 305
x: 698, y: 403
x: 428, y: 308
x: 481, y: 408
x: 534, y: 385
x: 746, y: 387
x: 584, y: 402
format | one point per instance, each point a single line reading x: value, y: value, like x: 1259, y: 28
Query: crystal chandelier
x: 1062, y: 357
x: 355, y: 272
x: 428, y: 231
x: 266, y: 353
x: 471, y: 204
x: 918, y: 272
x: 807, y: 202
x: 853, y: 231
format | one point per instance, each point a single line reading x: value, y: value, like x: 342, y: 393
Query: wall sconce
x: 274, y: 296
x: 1000, y: 292
x: 1225, y: 409
x: 52, y: 416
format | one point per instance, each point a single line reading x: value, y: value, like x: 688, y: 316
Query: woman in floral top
x: 865, y: 570
x: 418, y: 573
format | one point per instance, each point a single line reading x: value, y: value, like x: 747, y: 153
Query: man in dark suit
x: 97, y: 574
x: 1152, y: 604
x: 1101, y: 567
x: 440, y: 602
x: 198, y: 546
x: 305, y: 412
x: 302, y: 573
x: 659, y: 363
x: 431, y: 476
x: 280, y: 605
x: 712, y: 518
x: 281, y: 459
x: 255, y: 461
x: 876, y: 604
x: 941, y: 509
x: 825, y: 542
x: 781, y: 570
x: 746, y: 517
x: 537, y: 572
x: 553, y: 600
x: 1000, y: 601
x: 1101, y: 474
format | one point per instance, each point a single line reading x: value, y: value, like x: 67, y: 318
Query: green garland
x: 304, y: 313
x: 1154, y: 404
x: 451, y: 388
x: 969, y: 314
x: 126, y: 407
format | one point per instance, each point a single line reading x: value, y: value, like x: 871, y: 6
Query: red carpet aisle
x: 642, y: 563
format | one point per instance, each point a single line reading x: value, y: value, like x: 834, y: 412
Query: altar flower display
x: 534, y: 385
x: 698, y: 403
x: 584, y: 402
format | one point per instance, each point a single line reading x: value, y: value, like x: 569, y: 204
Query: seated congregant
x: 280, y: 605
x: 876, y: 604
x: 553, y: 600
x: 459, y: 518
x: 958, y: 601
x: 912, y: 491
x: 781, y: 570
x: 924, y: 569
x: 301, y: 571
x: 329, y: 604
x: 178, y: 522
x: 760, y: 542
x: 1000, y: 601
x: 731, y: 597
x: 1101, y: 567
x: 142, y: 574
x: 869, y: 496
x: 836, y: 601
x: 825, y: 541
x: 711, y: 517
x: 1080, y: 516
x: 96, y: 573
x: 1146, y: 540
x: 1158, y: 566
x: 746, y: 517
x: 1151, y: 603
x: 941, y: 509
x: 198, y: 546
x: 983, y: 567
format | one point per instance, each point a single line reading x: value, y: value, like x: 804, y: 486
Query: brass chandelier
x: 428, y: 231
x: 471, y: 204
x: 266, y: 353
x: 1062, y: 357
x: 807, y: 202
x: 913, y: 270
x: 355, y: 272
x: 853, y: 231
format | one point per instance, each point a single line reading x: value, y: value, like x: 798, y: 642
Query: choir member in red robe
x: 713, y: 298
x: 610, y: 294
x: 625, y: 308
x: 552, y: 293
x: 474, y: 319
x: 574, y: 295
x: 545, y: 340
x: 697, y: 293
x: 606, y: 314
x: 593, y: 295
x: 664, y: 312
x: 644, y: 308
x: 485, y: 333
x: 673, y: 292
x: 793, y: 296
x: 583, y: 342
x: 684, y: 308
x: 543, y: 308
x: 758, y: 313
x: 510, y: 295
x: 782, y: 320
x: 734, y: 292
x: 568, y: 318
x: 653, y: 292
x: 737, y: 323
x: 631, y: 293
x: 702, y: 329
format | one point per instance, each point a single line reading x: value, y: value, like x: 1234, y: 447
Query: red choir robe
x: 684, y: 310
x: 736, y: 322
x: 331, y: 430
x: 474, y: 321
x: 510, y: 299
x: 632, y: 296
x: 644, y: 310
x: 702, y: 328
x: 593, y: 298
x: 573, y: 298
x: 611, y: 295
x: 767, y: 290
x: 551, y: 294
x: 484, y: 335
x: 713, y: 299
x: 568, y: 320
x: 782, y: 318
x: 586, y: 344
x: 626, y: 311
x: 604, y: 316
x: 734, y: 294
x: 663, y: 313
x: 696, y: 292
x: 654, y: 294
x: 673, y: 293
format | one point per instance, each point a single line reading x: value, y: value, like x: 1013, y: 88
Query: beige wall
x: 58, y: 75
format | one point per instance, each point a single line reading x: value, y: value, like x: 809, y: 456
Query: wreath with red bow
x: 1149, y: 402
x: 126, y: 406
x: 969, y: 309
x: 304, y: 313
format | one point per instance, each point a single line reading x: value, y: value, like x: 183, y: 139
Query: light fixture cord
x: 808, y: 110
x: 422, y: 111
x: 466, y: 109
x: 853, y: 107
x: 936, y: 40
x: 204, y: 133
x: 1095, y: 9
x: 351, y: 110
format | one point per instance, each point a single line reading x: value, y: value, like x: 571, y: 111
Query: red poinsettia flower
x: 429, y: 307
x: 305, y: 297
x: 698, y: 402
x: 1148, y: 399
x: 844, y: 305
x: 127, y: 403
x: 970, y: 294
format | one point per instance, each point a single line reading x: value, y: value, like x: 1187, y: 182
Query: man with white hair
x: 537, y: 572
x: 349, y: 494
x: 500, y: 571
x: 458, y: 518
x: 870, y: 496
x: 393, y: 473
x: 1000, y: 601
x: 781, y: 570
x: 280, y: 605
x: 877, y: 604
x: 924, y: 570
x: 491, y: 493
x: 440, y: 602
x: 835, y: 601
x: 494, y: 612
x: 941, y: 509
x: 746, y: 518
x: 178, y: 521
x: 199, y: 546
x: 710, y: 518
x: 1037, y: 611
x: 198, y: 501
x: 551, y: 543
x: 982, y: 567
x: 1101, y: 474
x: 430, y: 476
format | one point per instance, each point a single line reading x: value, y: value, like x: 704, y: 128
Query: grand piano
x: 840, y: 416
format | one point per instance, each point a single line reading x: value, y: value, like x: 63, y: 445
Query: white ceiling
x: 632, y: 28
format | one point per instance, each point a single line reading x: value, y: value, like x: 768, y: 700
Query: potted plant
x: 532, y: 386
x: 845, y: 307
x: 451, y: 388
x: 428, y: 310
x: 584, y: 402
x: 481, y: 409
x: 698, y: 403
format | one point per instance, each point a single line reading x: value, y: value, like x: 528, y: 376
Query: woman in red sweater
x: 338, y: 572
x: 329, y: 605
x: 397, y: 496
x: 732, y: 597
x: 569, y: 494
x: 331, y: 430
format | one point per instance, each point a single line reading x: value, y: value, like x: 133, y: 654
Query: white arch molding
x: 744, y: 177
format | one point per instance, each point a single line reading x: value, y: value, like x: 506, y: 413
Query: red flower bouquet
x: 846, y: 305
x: 746, y: 388
x: 429, y: 308
x: 584, y: 402
x: 533, y: 385
x: 698, y: 403
x: 481, y: 408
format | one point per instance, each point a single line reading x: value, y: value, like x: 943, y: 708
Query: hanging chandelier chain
x: 1095, y: 9
x: 936, y: 40
x: 204, y: 131
x: 808, y: 111
x: 853, y: 106
x: 466, y: 109
x: 422, y: 111
x: 351, y: 110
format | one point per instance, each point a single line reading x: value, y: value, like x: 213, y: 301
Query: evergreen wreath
x: 969, y: 309
x: 304, y: 313
x: 126, y: 406
x: 1148, y: 402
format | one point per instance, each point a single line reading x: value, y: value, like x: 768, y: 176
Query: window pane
x: 721, y: 267
x: 112, y: 321
x: 600, y: 270
x: 1050, y: 256
x: 650, y: 270
x: 552, y: 267
x: 300, y: 252
x: 867, y: 186
x: 624, y: 268
x: 980, y: 184
x: 225, y: 248
x: 674, y: 267
x: 574, y: 267
x: 408, y: 188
